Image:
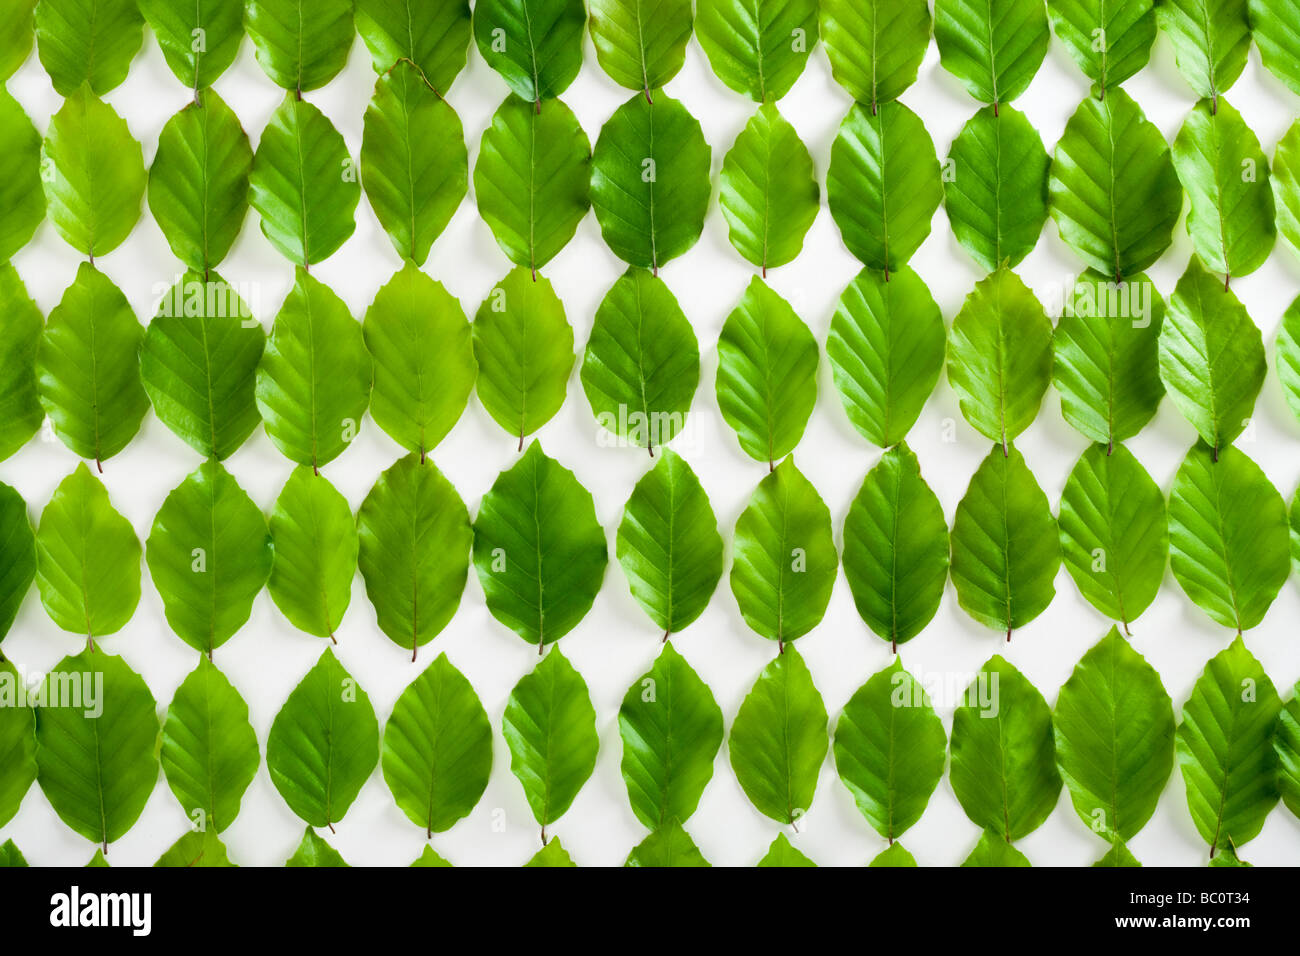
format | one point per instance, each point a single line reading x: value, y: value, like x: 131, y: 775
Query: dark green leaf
x: 784, y: 557
x: 437, y: 750
x: 1005, y: 544
x: 650, y: 182
x: 21, y: 413
x: 890, y: 750
x: 550, y: 727
x: 767, y: 373
x: 896, y: 548
x: 18, y: 558
x: 779, y: 739
x: 668, y: 544
x: 323, y: 744
x: 536, y: 45
x: 18, y: 748
x: 538, y: 549
x: 886, y: 349
x: 415, y: 541
x: 671, y: 729
x: 642, y: 362
x: 97, y: 749
x: 1228, y: 536
x: 209, y: 553
x: 1003, y: 757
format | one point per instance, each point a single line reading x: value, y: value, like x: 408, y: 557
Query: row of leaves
x: 875, y: 47
x: 1111, y: 740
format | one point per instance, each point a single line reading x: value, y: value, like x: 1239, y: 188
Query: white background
x: 616, y: 642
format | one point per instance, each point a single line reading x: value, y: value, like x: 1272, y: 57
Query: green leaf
x: 93, y: 175
x: 422, y: 348
x: 994, y: 47
x: 86, y: 367
x: 769, y: 193
x: 1000, y: 356
x: 415, y: 541
x: 433, y: 36
x: 1118, y: 855
x: 539, y: 551
x: 18, y: 747
x: 313, y: 383
x: 1286, y: 185
x: 209, y: 553
x: 16, y: 35
x: 896, y: 548
x: 670, y: 845
x: 87, y: 559
x: 1229, y: 539
x: 641, y: 48
x: 11, y: 856
x: 1286, y: 741
x: 1287, y: 358
x: 894, y: 855
x: 883, y: 185
x: 198, y: 183
x: 323, y: 744
x: 875, y: 46
x: 1225, y: 173
x: 437, y: 750
x: 890, y: 750
x: 886, y: 349
x: 668, y: 544
x: 300, y: 45
x: 757, y: 48
x: 1121, y: 49
x: 642, y: 362
x: 430, y: 858
x: 1211, y: 40
x: 536, y: 45
x: 993, y: 850
x: 650, y: 181
x: 1225, y: 749
x: 784, y: 557
x: 1279, y: 45
x: 314, y: 540
x: 209, y: 750
x: 98, y: 860
x: 523, y: 345
x: 414, y: 165
x: 1211, y: 357
x: 216, y: 27
x: 779, y: 739
x: 89, y: 42
x: 21, y: 197
x: 532, y: 179
x: 96, y: 752
x: 1003, y: 757
x: 782, y: 854
x: 1005, y: 545
x: 21, y: 413
x: 1105, y: 362
x: 1114, y: 727
x: 313, y: 851
x: 198, y: 365
x: 671, y: 729
x: 767, y: 373
x: 551, y: 854
x: 18, y: 558
x: 1114, y: 534
x: 1113, y: 190
x: 196, y: 848
x: 303, y: 183
x: 996, y: 194
x: 550, y: 727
